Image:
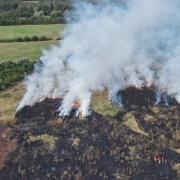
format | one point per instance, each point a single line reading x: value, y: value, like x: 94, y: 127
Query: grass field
x: 7, y: 32
x: 18, y: 50
x: 32, y: 50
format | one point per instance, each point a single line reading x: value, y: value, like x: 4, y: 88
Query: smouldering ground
x: 11, y: 97
x: 123, y: 141
x: 124, y: 146
x: 32, y: 50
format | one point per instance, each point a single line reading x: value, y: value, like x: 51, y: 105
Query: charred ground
x: 124, y: 146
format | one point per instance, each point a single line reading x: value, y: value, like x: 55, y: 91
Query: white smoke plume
x: 110, y: 46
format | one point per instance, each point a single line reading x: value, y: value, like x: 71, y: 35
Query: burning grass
x: 11, y: 97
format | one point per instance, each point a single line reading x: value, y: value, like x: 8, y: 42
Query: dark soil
x: 97, y: 147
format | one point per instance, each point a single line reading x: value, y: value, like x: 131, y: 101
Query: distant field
x: 32, y: 50
x: 19, y: 50
x: 7, y: 32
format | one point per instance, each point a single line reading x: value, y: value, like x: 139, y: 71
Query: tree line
x: 16, y: 12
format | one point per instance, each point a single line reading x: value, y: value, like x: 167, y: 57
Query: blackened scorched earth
x: 97, y: 147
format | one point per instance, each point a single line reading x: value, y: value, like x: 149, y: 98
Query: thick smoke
x: 110, y: 46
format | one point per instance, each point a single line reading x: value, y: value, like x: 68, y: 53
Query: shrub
x: 19, y: 39
x: 11, y: 72
x: 27, y: 39
x: 56, y: 13
x: 8, y: 40
x: 43, y: 38
x: 35, y: 38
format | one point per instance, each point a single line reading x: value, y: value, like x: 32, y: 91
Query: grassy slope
x: 32, y: 50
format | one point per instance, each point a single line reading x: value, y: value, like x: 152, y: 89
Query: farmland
x: 30, y: 30
x: 31, y: 50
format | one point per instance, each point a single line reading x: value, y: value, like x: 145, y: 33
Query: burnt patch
x: 96, y: 147
x: 42, y: 111
x: 145, y: 97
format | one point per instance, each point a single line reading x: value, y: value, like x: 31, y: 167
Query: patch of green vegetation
x: 11, y: 73
x: 11, y: 32
x: 103, y: 106
x: 33, y: 12
x: 31, y: 50
x: 21, y: 50
x: 26, y: 39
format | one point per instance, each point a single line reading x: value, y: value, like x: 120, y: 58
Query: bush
x: 27, y: 39
x: 11, y: 72
x: 8, y: 40
x: 56, y: 13
x: 19, y: 39
x: 43, y: 38
x: 35, y: 38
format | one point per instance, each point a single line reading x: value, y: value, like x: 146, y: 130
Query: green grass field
x: 20, y: 50
x: 8, y: 32
x: 32, y: 50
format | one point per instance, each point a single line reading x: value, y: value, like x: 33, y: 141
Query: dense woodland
x: 18, y: 12
x: 14, y: 12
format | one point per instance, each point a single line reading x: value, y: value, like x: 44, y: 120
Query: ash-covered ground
x: 141, y: 142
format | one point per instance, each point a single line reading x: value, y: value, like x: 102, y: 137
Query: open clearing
x: 32, y: 50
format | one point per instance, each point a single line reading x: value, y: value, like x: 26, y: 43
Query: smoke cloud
x: 110, y: 46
